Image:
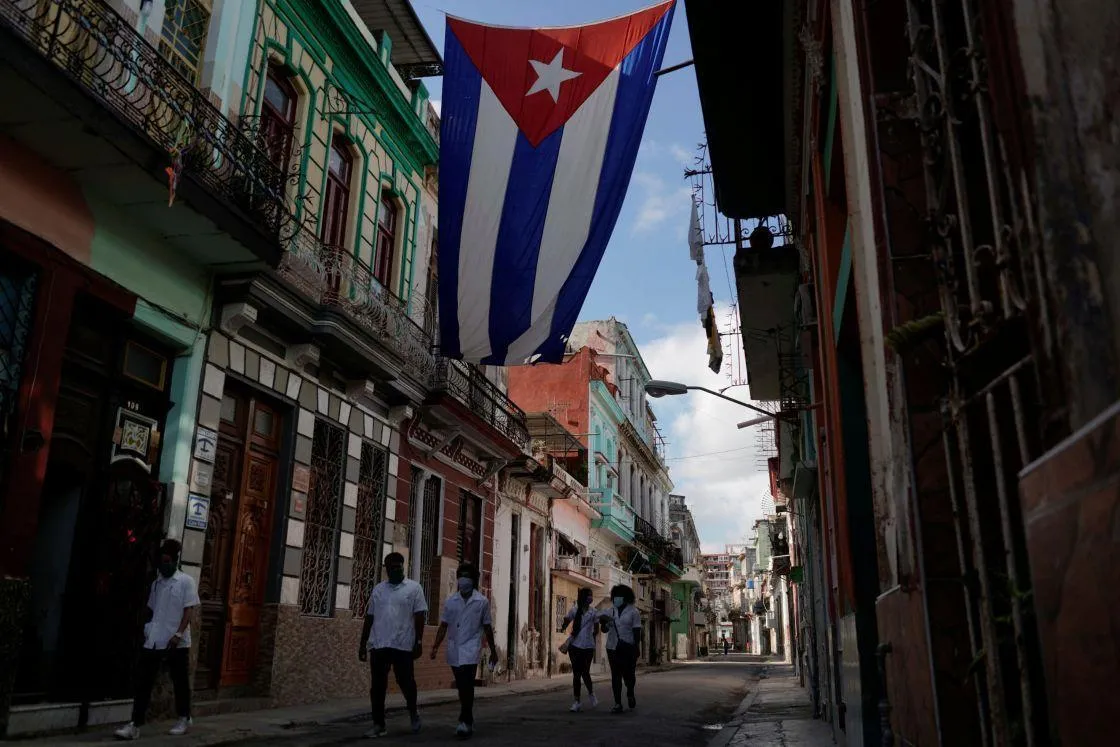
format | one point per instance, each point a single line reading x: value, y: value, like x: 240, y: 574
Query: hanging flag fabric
x: 540, y: 129
x: 695, y: 236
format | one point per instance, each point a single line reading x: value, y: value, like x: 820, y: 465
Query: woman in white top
x: 581, y: 646
x: 623, y: 625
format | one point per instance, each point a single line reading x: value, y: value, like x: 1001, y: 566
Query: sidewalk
x: 278, y: 723
x: 776, y: 713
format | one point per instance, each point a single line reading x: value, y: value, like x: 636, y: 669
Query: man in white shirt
x: 393, y: 635
x: 466, y: 614
x: 167, y: 638
x: 623, y: 625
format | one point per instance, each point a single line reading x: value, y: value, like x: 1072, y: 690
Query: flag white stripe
x: 495, y: 135
x: 571, y: 206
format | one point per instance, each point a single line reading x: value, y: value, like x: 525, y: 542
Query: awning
x: 739, y: 56
x: 413, y: 53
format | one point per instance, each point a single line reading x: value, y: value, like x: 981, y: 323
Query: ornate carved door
x: 250, y: 543
x: 235, y: 559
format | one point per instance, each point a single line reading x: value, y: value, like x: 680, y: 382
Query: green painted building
x: 217, y: 298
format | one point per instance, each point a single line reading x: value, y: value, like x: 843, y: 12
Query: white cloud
x: 682, y: 156
x: 660, y: 203
x: 719, y: 472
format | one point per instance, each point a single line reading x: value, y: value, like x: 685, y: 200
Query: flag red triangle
x: 505, y: 58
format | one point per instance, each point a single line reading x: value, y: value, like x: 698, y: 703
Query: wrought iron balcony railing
x: 101, y: 52
x: 470, y: 387
x: 335, y: 278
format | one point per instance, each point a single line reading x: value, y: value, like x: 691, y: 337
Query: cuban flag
x: 538, y: 139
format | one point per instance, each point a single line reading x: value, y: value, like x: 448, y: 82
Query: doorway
x: 100, y: 513
x: 514, y: 573
x: 238, y: 538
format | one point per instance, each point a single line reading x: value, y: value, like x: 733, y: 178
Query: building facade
x: 626, y: 474
x: 216, y: 324
x: 941, y: 319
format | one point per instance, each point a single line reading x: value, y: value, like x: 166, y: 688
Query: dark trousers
x: 624, y: 662
x: 581, y: 668
x: 464, y: 683
x: 381, y: 660
x: 178, y: 664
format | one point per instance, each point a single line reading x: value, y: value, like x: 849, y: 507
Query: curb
x: 731, y: 728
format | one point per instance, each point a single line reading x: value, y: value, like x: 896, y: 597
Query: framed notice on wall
x: 198, y: 511
x: 135, y: 438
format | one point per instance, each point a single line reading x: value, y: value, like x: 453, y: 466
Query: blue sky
x: 647, y: 279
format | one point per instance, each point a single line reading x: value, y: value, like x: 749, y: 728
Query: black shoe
x: 617, y: 708
x: 632, y: 701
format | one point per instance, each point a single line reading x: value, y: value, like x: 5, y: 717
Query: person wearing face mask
x: 392, y: 638
x: 466, y: 613
x: 623, y: 625
x: 581, y: 646
x: 167, y: 638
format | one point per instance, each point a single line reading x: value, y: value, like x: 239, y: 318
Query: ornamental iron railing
x: 103, y: 54
x: 470, y: 386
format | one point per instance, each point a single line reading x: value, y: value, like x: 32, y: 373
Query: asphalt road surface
x: 673, y: 709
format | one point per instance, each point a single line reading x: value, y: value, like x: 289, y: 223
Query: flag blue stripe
x: 519, y: 241
x: 462, y: 87
x: 635, y: 94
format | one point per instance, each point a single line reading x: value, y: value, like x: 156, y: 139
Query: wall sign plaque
x: 205, y: 445
x: 198, y: 511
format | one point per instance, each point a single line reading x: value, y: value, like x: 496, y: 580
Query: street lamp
x: 657, y: 388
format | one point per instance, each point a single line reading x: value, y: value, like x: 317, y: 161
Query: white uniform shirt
x: 465, y: 618
x: 586, y: 636
x: 622, y: 626
x: 167, y: 600
x: 394, y: 609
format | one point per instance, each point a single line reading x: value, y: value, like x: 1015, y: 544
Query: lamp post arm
x: 732, y: 399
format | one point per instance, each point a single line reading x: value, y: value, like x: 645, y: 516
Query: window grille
x: 324, y: 511
x: 368, y: 526
x: 183, y: 38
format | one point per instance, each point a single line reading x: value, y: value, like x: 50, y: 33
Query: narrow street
x: 737, y: 700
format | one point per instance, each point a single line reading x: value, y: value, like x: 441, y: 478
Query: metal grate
x: 17, y: 303
x: 185, y: 24
x: 368, y: 526
x: 324, y: 510
x: 429, y: 547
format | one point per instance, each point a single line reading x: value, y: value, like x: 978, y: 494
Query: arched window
x: 386, y: 239
x: 278, y: 117
x: 336, y: 200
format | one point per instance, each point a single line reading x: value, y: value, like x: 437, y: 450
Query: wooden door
x: 251, y: 537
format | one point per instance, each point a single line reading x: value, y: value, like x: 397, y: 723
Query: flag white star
x: 551, y: 75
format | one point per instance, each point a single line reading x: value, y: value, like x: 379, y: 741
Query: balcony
x: 462, y: 395
x: 579, y: 569
x: 88, y: 93
x: 616, y: 514
x: 667, y: 555
x: 337, y: 283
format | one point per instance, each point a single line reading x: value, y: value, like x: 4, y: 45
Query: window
x: 431, y: 292
x: 183, y: 38
x: 324, y: 513
x: 561, y: 609
x: 429, y: 547
x: 336, y: 200
x: 470, y: 529
x: 386, y: 239
x: 368, y: 526
x: 278, y: 117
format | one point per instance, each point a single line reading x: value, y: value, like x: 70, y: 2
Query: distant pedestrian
x: 623, y: 624
x: 726, y: 645
x: 467, y: 614
x: 393, y: 635
x: 167, y: 639
x: 580, y: 646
